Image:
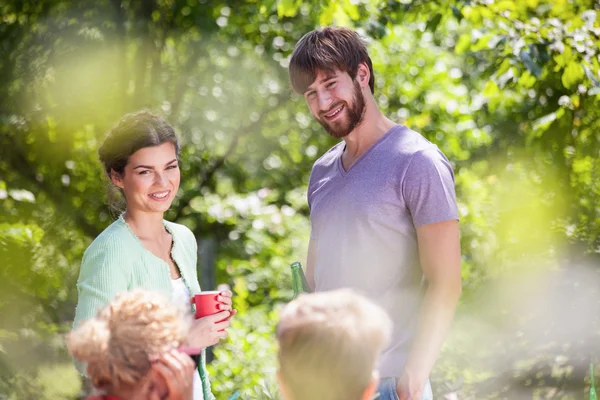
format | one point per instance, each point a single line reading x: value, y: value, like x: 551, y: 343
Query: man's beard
x: 355, y: 113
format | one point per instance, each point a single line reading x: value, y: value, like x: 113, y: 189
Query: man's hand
x: 409, y: 387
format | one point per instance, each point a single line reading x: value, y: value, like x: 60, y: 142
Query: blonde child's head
x: 329, y: 344
x: 117, y: 343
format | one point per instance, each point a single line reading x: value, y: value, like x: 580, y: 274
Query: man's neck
x: 145, y: 225
x: 372, y: 128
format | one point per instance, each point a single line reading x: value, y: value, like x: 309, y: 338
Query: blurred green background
x: 509, y: 90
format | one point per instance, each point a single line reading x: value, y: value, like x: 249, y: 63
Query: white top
x: 180, y: 296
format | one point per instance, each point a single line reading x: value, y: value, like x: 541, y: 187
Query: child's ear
x: 116, y: 179
x: 371, y: 390
x: 282, y: 388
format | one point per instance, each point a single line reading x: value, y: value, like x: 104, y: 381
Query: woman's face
x: 151, y: 179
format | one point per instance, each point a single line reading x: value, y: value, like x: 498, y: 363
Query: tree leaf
x: 351, y: 10
x: 491, y: 89
x: 463, y: 43
x: 590, y: 75
x: 530, y: 64
x: 287, y: 8
x: 433, y: 22
x: 328, y: 13
x: 572, y: 74
x: 457, y: 13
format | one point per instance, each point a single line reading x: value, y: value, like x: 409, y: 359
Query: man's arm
x: 439, y: 253
x: 310, y: 264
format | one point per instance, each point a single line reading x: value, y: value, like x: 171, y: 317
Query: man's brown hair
x: 326, y: 50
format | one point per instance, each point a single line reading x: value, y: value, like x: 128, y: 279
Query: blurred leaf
x: 456, y: 12
x: 287, y: 8
x: 572, y: 74
x: 463, y: 43
x: 530, y: 64
x: 433, y: 22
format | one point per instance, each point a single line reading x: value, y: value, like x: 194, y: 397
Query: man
x: 328, y: 346
x: 382, y: 208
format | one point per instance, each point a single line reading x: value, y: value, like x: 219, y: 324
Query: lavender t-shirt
x: 363, y: 226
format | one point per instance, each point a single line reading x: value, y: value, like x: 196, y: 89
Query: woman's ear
x: 116, y: 179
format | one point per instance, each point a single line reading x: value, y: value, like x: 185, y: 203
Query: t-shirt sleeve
x: 310, y: 188
x: 309, y: 197
x: 428, y: 188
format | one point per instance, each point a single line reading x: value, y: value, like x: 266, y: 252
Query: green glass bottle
x: 299, y: 282
x: 592, y: 388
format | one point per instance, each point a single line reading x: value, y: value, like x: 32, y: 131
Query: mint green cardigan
x: 116, y: 261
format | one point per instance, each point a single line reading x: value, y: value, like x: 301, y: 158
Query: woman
x: 140, y: 249
x: 130, y: 348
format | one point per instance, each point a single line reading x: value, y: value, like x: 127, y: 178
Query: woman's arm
x: 102, y: 275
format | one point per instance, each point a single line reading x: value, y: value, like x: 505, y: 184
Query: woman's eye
x: 331, y: 84
x: 144, y: 172
x: 172, y: 166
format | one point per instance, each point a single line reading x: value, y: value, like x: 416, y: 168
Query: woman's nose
x: 159, y: 178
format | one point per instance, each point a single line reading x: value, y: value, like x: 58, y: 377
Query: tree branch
x: 58, y: 197
x: 181, y: 84
x: 121, y: 35
x: 220, y: 161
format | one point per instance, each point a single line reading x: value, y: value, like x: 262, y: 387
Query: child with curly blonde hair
x: 131, y: 348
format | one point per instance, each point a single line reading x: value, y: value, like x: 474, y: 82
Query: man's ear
x: 116, y: 179
x: 363, y: 74
x: 371, y: 390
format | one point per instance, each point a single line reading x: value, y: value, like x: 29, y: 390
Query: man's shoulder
x: 328, y: 159
x: 407, y: 142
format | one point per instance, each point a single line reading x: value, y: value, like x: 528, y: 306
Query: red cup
x: 206, y: 303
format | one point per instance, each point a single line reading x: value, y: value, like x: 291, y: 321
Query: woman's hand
x: 224, y: 298
x: 206, y: 331
x: 225, y: 301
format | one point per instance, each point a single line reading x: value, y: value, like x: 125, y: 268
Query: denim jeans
x: 387, y: 390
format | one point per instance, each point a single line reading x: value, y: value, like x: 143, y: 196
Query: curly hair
x: 117, y: 342
x: 134, y: 131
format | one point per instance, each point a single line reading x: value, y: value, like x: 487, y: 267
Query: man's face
x: 336, y: 101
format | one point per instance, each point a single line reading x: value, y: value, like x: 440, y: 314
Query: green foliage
x: 251, y: 338
x: 509, y: 90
